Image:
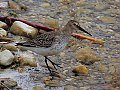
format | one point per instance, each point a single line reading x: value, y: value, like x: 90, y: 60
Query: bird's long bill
x: 82, y: 29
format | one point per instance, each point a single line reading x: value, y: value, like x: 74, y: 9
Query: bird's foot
x: 54, y: 64
x: 52, y: 72
x: 55, y: 74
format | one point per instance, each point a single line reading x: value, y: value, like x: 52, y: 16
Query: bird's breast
x: 53, y: 50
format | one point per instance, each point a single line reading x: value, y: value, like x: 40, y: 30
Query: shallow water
x: 89, y: 19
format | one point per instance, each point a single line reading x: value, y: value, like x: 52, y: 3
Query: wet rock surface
x: 80, y: 69
x: 87, y: 56
x: 70, y: 88
x: 38, y: 88
x: 3, y: 25
x: 6, y: 58
x: 100, y: 18
x: 26, y: 58
x: 20, y: 28
x: 3, y: 5
x: 7, y: 83
x: 3, y: 33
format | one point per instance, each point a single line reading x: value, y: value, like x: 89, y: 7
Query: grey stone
x: 3, y: 4
x: 6, y: 57
x: 3, y: 25
x: 3, y: 32
x: 20, y: 28
x: 69, y: 87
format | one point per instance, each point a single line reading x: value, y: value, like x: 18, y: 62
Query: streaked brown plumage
x: 52, y: 43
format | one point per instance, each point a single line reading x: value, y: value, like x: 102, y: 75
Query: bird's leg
x: 47, y: 65
x: 54, y: 64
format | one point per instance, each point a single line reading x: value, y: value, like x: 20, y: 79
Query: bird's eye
x: 75, y: 23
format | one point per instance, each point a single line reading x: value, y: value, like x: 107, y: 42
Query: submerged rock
x: 6, y: 58
x: 3, y: 4
x: 45, y: 5
x: 81, y: 3
x: 84, y: 11
x: 26, y: 59
x: 52, y: 23
x: 7, y: 82
x: 69, y: 87
x: 65, y: 1
x: 14, y: 5
x: 11, y: 83
x: 38, y: 88
x: 20, y: 28
x: 100, y: 6
x: 3, y: 25
x: 49, y: 82
x: 3, y: 33
x: 80, y: 69
x: 10, y: 47
x: 107, y: 19
x: 87, y: 56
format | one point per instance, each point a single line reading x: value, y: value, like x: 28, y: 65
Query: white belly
x: 55, y: 49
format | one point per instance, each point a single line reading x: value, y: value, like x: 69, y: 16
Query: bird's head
x: 72, y: 26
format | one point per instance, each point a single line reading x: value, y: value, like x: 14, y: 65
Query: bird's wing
x: 42, y: 40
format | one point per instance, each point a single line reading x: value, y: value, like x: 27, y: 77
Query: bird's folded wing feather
x: 42, y: 40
